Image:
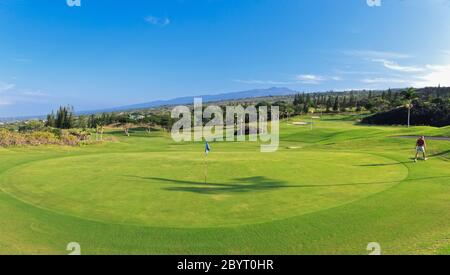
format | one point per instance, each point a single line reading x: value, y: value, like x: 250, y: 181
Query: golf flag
x: 207, y: 149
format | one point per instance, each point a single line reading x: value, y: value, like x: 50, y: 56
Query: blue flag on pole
x: 207, y: 149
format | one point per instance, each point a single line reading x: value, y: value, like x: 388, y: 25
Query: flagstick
x: 206, y: 167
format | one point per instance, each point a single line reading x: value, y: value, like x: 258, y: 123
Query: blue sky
x: 111, y: 52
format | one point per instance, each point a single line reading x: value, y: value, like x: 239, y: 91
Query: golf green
x: 169, y: 189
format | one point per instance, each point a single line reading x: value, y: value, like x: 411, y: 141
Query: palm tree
x: 408, y: 96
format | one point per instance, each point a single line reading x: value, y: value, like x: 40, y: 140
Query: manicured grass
x: 331, y: 190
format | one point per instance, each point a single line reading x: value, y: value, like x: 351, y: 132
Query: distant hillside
x: 274, y: 91
x: 20, y: 118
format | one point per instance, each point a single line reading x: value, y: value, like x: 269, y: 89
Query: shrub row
x: 12, y: 138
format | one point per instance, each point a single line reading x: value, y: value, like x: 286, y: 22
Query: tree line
x: 64, y: 118
x: 422, y: 106
x: 429, y: 107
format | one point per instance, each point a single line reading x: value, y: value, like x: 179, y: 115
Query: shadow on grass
x: 403, y: 162
x: 242, y: 185
x: 252, y: 184
x: 440, y: 154
x: 385, y: 164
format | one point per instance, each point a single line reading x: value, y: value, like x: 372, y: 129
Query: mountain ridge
x: 273, y: 91
x: 253, y: 93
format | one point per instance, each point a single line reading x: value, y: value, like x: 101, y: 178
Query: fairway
x: 330, y: 190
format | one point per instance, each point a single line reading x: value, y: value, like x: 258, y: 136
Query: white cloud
x: 336, y: 78
x: 435, y: 75
x: 384, y: 80
x: 310, y: 79
x: 315, y: 79
x: 369, y: 54
x: 158, y: 21
x: 404, y: 75
x: 350, y: 72
x: 37, y: 93
x: 6, y: 87
x: 10, y: 95
x: 430, y: 76
x: 396, y: 67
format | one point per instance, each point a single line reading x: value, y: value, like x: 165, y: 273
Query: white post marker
x: 312, y: 118
x: 312, y: 121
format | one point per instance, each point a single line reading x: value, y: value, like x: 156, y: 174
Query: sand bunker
x: 300, y: 123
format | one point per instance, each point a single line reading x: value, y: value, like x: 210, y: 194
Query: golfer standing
x: 421, y: 147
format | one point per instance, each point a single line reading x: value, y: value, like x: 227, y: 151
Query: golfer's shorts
x: 420, y: 149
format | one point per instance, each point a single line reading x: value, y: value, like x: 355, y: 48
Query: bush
x: 51, y: 137
x: 437, y: 115
x: 41, y: 138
